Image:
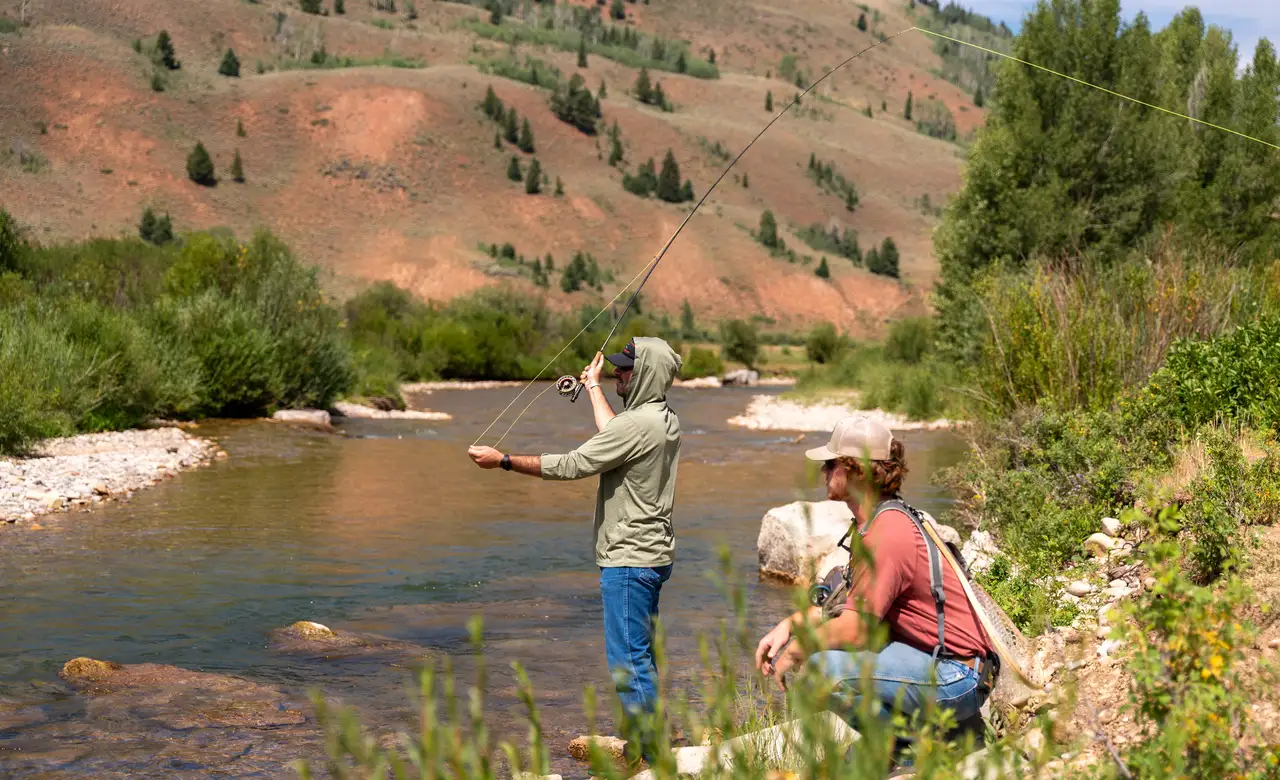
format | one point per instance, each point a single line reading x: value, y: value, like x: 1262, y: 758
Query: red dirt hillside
x: 380, y: 172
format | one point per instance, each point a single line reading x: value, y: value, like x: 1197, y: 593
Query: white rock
x: 775, y: 413
x: 700, y: 382
x: 1105, y: 615
x: 314, y: 416
x: 1102, y: 632
x: 348, y: 409
x: 53, y: 502
x: 1116, y: 594
x: 742, y: 376
x: 1275, y: 642
x: 979, y: 551
x: 1033, y: 741
x: 100, y: 488
x: 797, y: 541
x: 776, y: 746
x: 945, y: 532
x: 1079, y: 588
x: 1118, y: 584
x: 1111, y: 527
x: 689, y: 761
x: 1148, y: 582
x: 1098, y: 545
x: 1109, y: 647
x: 34, y: 495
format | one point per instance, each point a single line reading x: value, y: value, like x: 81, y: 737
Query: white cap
x: 857, y: 436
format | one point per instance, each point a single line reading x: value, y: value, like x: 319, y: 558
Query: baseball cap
x: 855, y: 436
x: 626, y: 358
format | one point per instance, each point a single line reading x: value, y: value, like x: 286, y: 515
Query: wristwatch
x: 506, y: 462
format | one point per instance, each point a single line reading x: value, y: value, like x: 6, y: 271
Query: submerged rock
x: 310, y: 638
x: 312, y: 416
x: 359, y: 411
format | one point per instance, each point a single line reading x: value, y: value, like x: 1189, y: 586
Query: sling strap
x: 935, y: 567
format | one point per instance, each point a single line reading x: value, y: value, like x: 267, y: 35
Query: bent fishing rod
x: 571, y: 386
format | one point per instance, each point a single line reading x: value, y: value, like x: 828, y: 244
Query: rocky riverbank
x: 775, y: 413
x: 79, y: 471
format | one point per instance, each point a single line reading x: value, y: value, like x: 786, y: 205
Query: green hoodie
x: 636, y: 455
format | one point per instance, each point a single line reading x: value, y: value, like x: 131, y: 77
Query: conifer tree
x: 491, y: 104
x: 862, y: 22
x: 906, y: 114
x: 339, y: 7
x: 768, y: 230
x: 822, y: 271
x: 495, y: 13
x: 510, y: 126
x: 615, y: 151
x: 164, y: 48
x: 978, y: 99
x: 533, y: 182
x: 526, y: 137
x: 147, y: 227
x: 163, y: 233
x: 200, y: 166
x: 310, y: 6
x: 644, y: 90
x: 497, y: 139
x: 688, y: 329
x: 582, y: 51
x: 240, y: 133
x: 551, y: 262
x: 559, y: 187
x: 237, y: 168
x: 686, y: 191
x: 768, y: 101
x: 682, y: 65
x: 669, y: 179
x: 230, y: 65
x: 603, y: 92
x: 513, y: 169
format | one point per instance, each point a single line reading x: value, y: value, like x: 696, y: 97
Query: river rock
x: 1098, y: 545
x: 776, y: 746
x: 316, y: 640
x: 312, y: 416
x: 742, y: 376
x: 177, y: 698
x: 979, y: 551
x: 1079, y: 588
x: 306, y: 629
x: 580, y: 747
x: 701, y: 382
x: 359, y: 411
x: 797, y: 541
x: 1111, y: 527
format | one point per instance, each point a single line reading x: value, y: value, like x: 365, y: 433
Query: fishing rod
x: 571, y: 386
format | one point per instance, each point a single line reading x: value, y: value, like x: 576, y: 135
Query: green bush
x: 701, y: 362
x: 909, y: 340
x: 739, y: 341
x: 824, y: 343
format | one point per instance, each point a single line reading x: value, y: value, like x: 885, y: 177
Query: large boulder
x: 743, y: 376
x: 797, y: 541
x: 312, y: 416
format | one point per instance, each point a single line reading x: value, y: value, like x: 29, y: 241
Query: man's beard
x: 624, y: 388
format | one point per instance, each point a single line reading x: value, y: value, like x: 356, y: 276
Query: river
x: 391, y: 530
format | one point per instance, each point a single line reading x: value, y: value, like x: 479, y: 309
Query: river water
x: 388, y: 530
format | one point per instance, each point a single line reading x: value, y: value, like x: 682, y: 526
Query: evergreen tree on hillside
x: 495, y: 12
x: 686, y: 190
x: 768, y: 234
x: 559, y: 188
x: 822, y: 271
x: 978, y: 99
x: 165, y: 51
x: 147, y: 226
x: 513, y: 169
x: 163, y: 232
x: 240, y: 133
x: 643, y: 88
x: 582, y: 51
x: 682, y: 65
x: 688, y: 328
x: 906, y: 113
x: 669, y: 179
x: 200, y: 166
x: 602, y: 93
x: 575, y: 105
x: 497, y: 139
x: 862, y: 22
x: 526, y: 137
x: 533, y: 182
x: 237, y: 168
x: 768, y: 101
x: 339, y: 7
x: 615, y: 150
x: 492, y: 106
x: 230, y: 65
x: 618, y: 10
x: 510, y: 125
x: 885, y: 260
x: 310, y: 6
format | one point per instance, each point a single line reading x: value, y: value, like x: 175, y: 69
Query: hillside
x: 381, y: 172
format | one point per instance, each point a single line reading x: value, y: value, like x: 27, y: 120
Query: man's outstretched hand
x: 485, y: 457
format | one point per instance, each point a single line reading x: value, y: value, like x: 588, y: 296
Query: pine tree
x: 491, y: 104
x: 147, y: 227
x: 526, y: 137
x: 768, y: 101
x: 310, y: 6
x: 339, y: 7
x: 862, y: 22
x: 644, y: 90
x: 658, y: 98
x: 551, y: 263
x: 822, y: 271
x: 745, y: 182
x: 240, y: 133
x: 615, y: 152
x: 603, y: 93
x: 200, y: 166
x: 669, y: 179
x: 850, y: 199
x: 686, y: 191
x: 907, y: 112
x: 163, y: 232
x: 688, y: 328
x: 533, y: 182
x: 618, y: 10
x: 768, y: 230
x: 497, y: 139
x: 582, y: 51
x: 978, y: 99
x: 889, y: 257
x: 559, y: 188
x: 510, y: 126
x: 230, y: 65
x: 711, y: 57
x: 682, y: 65
x: 513, y: 169
x: 495, y: 13
x: 576, y: 105
x: 237, y: 168
x: 164, y: 48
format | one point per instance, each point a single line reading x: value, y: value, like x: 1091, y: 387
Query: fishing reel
x: 569, y: 387
x: 818, y: 594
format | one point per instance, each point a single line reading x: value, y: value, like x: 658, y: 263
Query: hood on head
x: 657, y: 366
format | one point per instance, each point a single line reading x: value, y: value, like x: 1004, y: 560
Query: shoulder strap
x: 935, y: 568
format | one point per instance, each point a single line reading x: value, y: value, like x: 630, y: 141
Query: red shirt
x: 899, y: 592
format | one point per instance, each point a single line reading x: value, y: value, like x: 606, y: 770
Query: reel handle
x: 577, y: 390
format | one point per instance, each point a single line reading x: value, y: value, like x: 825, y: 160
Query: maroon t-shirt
x: 899, y: 592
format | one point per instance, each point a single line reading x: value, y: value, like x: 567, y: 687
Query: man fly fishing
x: 635, y: 453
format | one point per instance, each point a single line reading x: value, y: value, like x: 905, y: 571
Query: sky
x: 1248, y: 20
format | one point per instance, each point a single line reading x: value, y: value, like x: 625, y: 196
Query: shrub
x: 885, y: 261
x: 576, y: 106
x: 237, y: 168
x: 513, y: 169
x: 165, y: 52
x: 310, y: 6
x: 200, y: 166
x: 740, y: 341
x: 822, y: 271
x: 823, y: 343
x: 702, y: 362
x: 533, y: 182
x: 768, y: 234
x: 909, y: 339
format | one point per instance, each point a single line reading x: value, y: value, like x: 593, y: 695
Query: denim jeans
x: 899, y: 668
x: 630, y: 596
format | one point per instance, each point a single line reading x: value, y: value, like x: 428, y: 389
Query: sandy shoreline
x: 79, y: 471
x: 774, y: 413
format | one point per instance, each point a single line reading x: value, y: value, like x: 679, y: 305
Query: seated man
x: 899, y: 593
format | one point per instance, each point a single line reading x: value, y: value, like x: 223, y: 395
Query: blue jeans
x: 899, y: 668
x: 630, y: 596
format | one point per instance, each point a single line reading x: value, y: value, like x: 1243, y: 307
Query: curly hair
x: 887, y: 475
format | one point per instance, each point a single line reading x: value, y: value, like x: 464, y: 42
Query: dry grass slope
x: 434, y: 187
